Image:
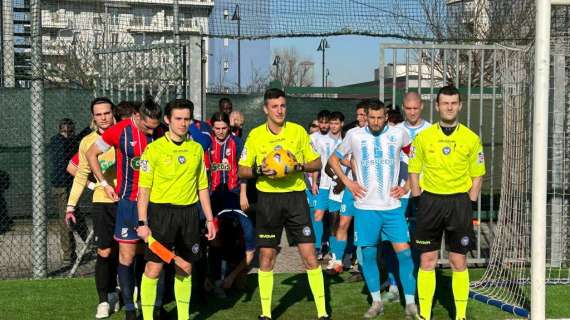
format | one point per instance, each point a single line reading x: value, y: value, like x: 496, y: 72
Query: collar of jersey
x: 383, y: 130
x: 412, y: 127
x: 271, y: 132
x: 169, y: 139
x: 441, y: 130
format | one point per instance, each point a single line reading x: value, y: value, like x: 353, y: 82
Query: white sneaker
x: 114, y: 302
x: 102, y: 310
x: 376, y: 309
x: 411, y: 311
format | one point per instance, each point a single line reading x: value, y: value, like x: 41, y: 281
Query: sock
x: 359, y: 256
x: 389, y: 257
x: 376, y: 296
x: 126, y: 279
x: 102, y: 277
x: 318, y: 229
x: 340, y: 245
x: 426, y: 289
x: 370, y: 269
x: 332, y: 246
x: 460, y: 286
x: 317, y: 284
x: 112, y: 271
x: 182, y: 289
x: 265, y: 279
x: 406, y: 271
x: 160, y: 289
x: 139, y: 266
x: 148, y: 296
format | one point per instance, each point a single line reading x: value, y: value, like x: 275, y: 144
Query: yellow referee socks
x: 265, y: 280
x: 460, y: 286
x: 426, y: 290
x: 317, y: 284
x: 182, y: 290
x: 148, y: 296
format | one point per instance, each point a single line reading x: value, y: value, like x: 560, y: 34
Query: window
x: 226, y: 42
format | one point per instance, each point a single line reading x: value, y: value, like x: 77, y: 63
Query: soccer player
x: 282, y: 202
x: 129, y: 138
x: 446, y: 172
x: 173, y: 179
x: 376, y: 151
x: 324, y: 144
x: 105, y: 209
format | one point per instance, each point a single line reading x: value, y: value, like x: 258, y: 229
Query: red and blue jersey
x: 129, y: 143
x: 224, y: 157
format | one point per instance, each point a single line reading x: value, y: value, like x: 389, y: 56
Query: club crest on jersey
x: 446, y: 150
x: 133, y: 143
x: 481, y: 158
x: 228, y: 152
x: 306, y: 231
x: 181, y: 159
x: 392, y: 139
x: 136, y: 163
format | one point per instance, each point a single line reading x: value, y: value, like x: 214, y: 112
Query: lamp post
x: 276, y: 63
x: 237, y: 17
x: 323, y: 46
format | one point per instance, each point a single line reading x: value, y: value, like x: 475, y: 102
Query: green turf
x: 76, y: 299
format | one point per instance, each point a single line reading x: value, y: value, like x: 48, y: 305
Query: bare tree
x: 294, y: 71
x: 70, y: 63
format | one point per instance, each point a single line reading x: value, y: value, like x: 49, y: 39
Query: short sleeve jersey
x: 261, y: 141
x: 129, y: 143
x: 173, y: 173
x: 324, y: 144
x: 447, y: 163
x: 377, y: 160
x: 224, y: 158
x: 412, y: 132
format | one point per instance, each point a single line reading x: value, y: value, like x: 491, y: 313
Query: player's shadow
x: 443, y: 293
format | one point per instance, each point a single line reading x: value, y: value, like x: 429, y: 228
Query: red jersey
x: 224, y: 157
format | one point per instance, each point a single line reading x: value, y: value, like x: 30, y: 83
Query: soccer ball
x: 279, y: 161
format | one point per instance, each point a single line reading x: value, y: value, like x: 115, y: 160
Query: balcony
x: 182, y: 3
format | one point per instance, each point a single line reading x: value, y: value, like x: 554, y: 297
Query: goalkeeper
x: 282, y: 202
x: 446, y: 169
x: 172, y: 180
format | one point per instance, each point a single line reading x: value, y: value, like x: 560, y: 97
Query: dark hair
x: 179, y: 104
x: 394, y: 115
x: 376, y: 104
x: 220, y: 116
x: 66, y: 122
x: 224, y: 100
x: 150, y: 109
x: 312, y: 125
x: 324, y: 114
x: 124, y: 110
x: 449, y: 90
x: 273, y: 93
x: 100, y: 100
x: 363, y: 104
x: 336, y: 115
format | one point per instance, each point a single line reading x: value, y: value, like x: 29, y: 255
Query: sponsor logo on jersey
x: 266, y: 236
x: 136, y: 163
x: 426, y: 242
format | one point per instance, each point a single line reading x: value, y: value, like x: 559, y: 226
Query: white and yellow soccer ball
x: 280, y: 161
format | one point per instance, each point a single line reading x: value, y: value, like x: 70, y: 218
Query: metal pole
x: 176, y: 31
x: 539, y: 159
x: 323, y: 75
x: 239, y: 52
x: 381, y: 74
x: 204, y: 60
x: 39, y: 216
x: 8, y: 72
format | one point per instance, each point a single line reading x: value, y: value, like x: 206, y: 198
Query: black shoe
x: 130, y: 315
x: 327, y: 317
x: 263, y: 318
x: 159, y: 313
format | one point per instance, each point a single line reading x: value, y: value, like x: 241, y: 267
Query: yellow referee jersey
x: 173, y: 173
x: 447, y: 163
x: 261, y: 141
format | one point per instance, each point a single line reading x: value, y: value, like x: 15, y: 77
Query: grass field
x: 76, y: 299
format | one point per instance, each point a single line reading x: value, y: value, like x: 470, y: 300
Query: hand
x: 397, y: 192
x: 182, y: 264
x: 292, y: 156
x: 265, y: 171
x: 70, y: 218
x: 315, y: 188
x: 212, y: 230
x: 339, y: 187
x: 143, y: 232
x: 243, y: 202
x: 357, y: 190
x: 110, y: 191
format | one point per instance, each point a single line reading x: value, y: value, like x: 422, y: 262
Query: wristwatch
x: 142, y: 223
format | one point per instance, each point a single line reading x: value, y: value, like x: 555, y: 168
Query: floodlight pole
x: 237, y: 17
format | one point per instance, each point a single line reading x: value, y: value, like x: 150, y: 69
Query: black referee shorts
x: 175, y: 227
x: 276, y: 211
x: 104, y: 216
x: 451, y: 214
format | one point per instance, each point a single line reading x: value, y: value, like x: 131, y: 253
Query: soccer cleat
x: 102, y: 310
x: 335, y: 270
x: 376, y: 309
x: 114, y: 301
x: 327, y: 317
x: 319, y: 255
x: 130, y: 315
x: 391, y: 296
x: 411, y: 311
x: 263, y: 318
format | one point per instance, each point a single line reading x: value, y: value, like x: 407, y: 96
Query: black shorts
x: 104, y: 216
x: 451, y: 214
x: 175, y: 227
x: 286, y: 209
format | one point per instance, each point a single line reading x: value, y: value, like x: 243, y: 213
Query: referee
x: 446, y: 170
x: 282, y: 202
x: 172, y: 181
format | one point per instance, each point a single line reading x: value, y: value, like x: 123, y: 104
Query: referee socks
x: 265, y: 281
x: 460, y: 286
x: 148, y: 296
x: 182, y: 291
x: 426, y: 290
x: 317, y: 284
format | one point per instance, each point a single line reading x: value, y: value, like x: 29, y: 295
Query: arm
x: 414, y: 182
x: 243, y: 201
x: 357, y: 190
x: 143, y: 198
x: 204, y: 196
x: 312, y: 166
x: 475, y: 188
x: 92, y: 153
x: 71, y: 169
x: 314, y: 182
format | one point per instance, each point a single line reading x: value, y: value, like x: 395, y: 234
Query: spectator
x: 236, y: 123
x: 225, y: 105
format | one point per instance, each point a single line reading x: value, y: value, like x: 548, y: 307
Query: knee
x: 126, y: 258
x: 458, y: 262
x: 152, y: 270
x: 184, y: 271
x: 266, y: 263
x: 104, y: 253
x: 428, y: 262
x: 343, y: 226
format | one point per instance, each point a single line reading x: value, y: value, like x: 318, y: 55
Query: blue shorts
x: 311, y: 198
x: 373, y: 226
x: 323, y: 201
x: 246, y: 226
x: 347, y: 208
x: 334, y: 206
x: 127, y: 222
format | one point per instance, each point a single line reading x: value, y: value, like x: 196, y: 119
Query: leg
x: 149, y: 284
x: 426, y: 282
x: 315, y: 275
x: 318, y: 226
x: 406, y: 270
x: 265, y: 278
x: 65, y: 234
x: 182, y: 291
x: 126, y: 274
x: 460, y: 283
